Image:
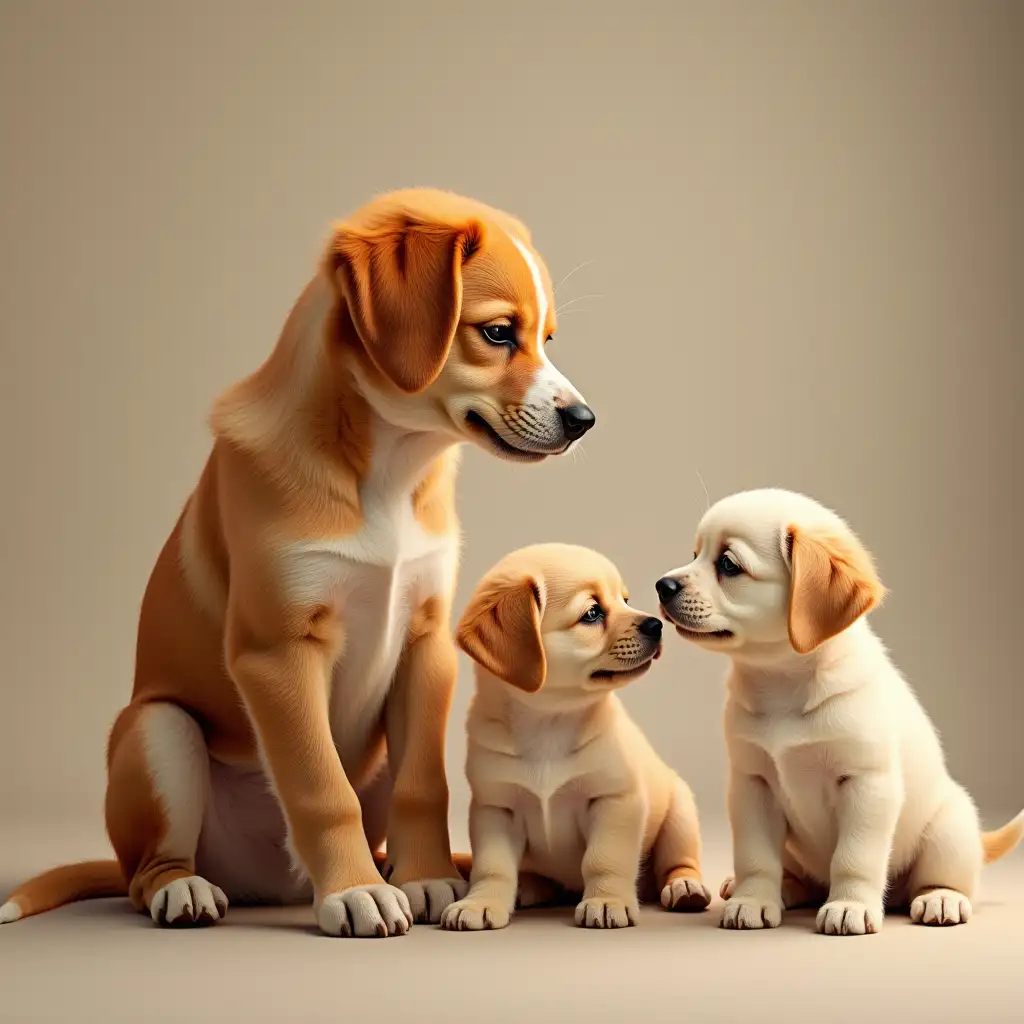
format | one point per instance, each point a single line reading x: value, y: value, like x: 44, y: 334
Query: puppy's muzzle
x: 635, y: 651
x: 684, y: 610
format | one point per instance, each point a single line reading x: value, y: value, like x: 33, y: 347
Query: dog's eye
x: 727, y: 566
x: 499, y: 334
x: 595, y: 613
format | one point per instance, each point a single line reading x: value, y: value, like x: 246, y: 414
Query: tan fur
x: 568, y: 797
x: 834, y: 584
x: 330, y: 483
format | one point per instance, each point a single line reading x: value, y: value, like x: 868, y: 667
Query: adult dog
x: 294, y: 635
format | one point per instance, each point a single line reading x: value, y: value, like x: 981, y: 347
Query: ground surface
x: 100, y: 961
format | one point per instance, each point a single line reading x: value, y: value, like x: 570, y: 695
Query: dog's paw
x: 428, y: 899
x: 727, y: 887
x: 475, y: 915
x: 847, y: 917
x: 744, y: 913
x: 941, y: 907
x: 187, y: 902
x: 606, y: 912
x: 685, y: 894
x: 365, y: 911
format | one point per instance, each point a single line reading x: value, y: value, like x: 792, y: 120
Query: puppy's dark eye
x: 499, y: 334
x: 595, y: 613
x: 727, y: 566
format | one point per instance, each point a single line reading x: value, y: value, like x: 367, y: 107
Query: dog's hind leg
x: 675, y: 858
x: 158, y: 779
x: 945, y: 876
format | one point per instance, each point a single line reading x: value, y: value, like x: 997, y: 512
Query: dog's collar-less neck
x: 808, y: 679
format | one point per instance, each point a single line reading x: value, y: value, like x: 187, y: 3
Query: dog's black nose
x: 667, y: 588
x: 576, y: 420
x: 650, y: 627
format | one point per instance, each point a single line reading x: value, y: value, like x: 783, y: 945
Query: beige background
x: 804, y: 222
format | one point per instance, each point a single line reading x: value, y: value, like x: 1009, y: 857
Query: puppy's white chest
x: 801, y: 761
x: 550, y: 800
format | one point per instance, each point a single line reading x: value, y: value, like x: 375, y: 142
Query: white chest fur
x: 804, y: 740
x: 374, y: 579
x: 546, y: 773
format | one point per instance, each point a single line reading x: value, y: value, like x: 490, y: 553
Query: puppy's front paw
x: 428, y: 899
x: 743, y: 913
x: 941, y: 907
x: 685, y: 894
x: 365, y: 911
x: 847, y: 917
x: 475, y: 915
x: 606, y: 912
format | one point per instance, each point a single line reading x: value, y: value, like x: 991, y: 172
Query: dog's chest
x: 551, y: 800
x: 801, y: 758
x: 373, y: 580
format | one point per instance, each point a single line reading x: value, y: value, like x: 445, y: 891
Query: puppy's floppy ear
x: 833, y: 584
x: 402, y: 282
x: 500, y: 629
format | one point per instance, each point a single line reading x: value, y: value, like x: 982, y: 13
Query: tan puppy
x: 296, y: 624
x: 838, y: 788
x: 565, y: 788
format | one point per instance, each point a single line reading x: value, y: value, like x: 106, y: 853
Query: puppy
x: 565, y: 788
x: 838, y: 787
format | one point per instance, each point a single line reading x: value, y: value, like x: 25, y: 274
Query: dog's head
x: 449, y: 310
x: 773, y: 571
x: 553, y: 622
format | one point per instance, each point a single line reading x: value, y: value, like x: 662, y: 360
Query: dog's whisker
x: 707, y: 498
x: 579, y: 266
x: 579, y: 298
x: 578, y: 309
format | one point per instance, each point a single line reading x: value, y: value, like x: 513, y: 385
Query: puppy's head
x: 553, y: 621
x: 450, y: 311
x: 772, y: 571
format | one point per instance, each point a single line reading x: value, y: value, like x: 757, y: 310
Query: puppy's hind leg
x: 944, y: 878
x: 676, y: 855
x: 158, y: 779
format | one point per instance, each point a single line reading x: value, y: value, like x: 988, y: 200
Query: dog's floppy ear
x: 402, y: 282
x: 833, y: 584
x: 500, y: 629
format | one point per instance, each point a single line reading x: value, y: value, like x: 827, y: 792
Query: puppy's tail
x: 1001, y: 841
x: 88, y: 880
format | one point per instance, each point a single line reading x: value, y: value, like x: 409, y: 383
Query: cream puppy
x: 838, y: 787
x: 568, y: 797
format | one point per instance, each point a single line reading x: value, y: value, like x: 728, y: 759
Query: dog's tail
x: 88, y: 880
x: 1001, y: 841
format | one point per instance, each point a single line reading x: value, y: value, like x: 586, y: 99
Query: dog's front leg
x: 758, y: 837
x: 498, y: 840
x: 867, y: 809
x: 611, y: 862
x: 279, y: 664
x: 419, y: 848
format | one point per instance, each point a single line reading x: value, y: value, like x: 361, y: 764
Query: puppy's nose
x: 650, y: 627
x: 576, y: 420
x: 667, y: 588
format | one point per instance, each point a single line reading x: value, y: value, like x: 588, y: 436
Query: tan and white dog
x: 838, y: 788
x: 568, y: 797
x: 295, y: 631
